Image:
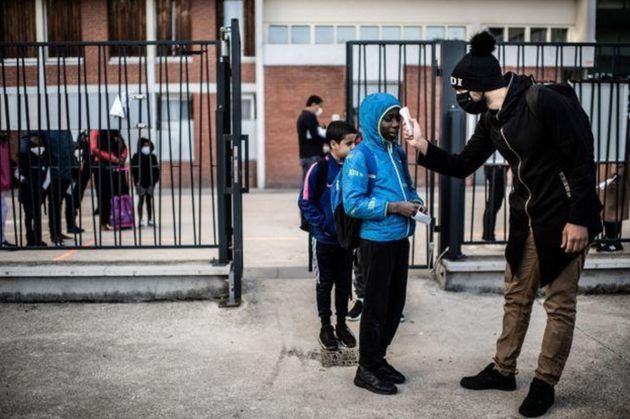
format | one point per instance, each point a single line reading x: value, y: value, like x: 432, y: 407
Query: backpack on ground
x: 121, y: 215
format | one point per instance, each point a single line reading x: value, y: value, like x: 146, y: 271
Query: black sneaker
x: 75, y: 230
x: 327, y: 338
x: 370, y: 381
x: 539, y: 399
x: 355, y: 312
x: 344, y: 334
x: 402, y: 318
x: 8, y: 246
x: 389, y: 373
x: 609, y: 247
x: 488, y: 379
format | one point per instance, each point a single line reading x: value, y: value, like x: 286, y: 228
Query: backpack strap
x: 322, y: 175
x: 531, y: 97
x: 370, y: 162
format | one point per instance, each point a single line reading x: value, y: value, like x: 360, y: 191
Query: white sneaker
x: 150, y: 223
x: 141, y: 223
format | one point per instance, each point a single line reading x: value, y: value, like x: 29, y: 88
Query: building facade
x: 291, y: 48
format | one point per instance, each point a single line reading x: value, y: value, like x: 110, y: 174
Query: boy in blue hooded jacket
x: 385, y: 201
x: 332, y: 263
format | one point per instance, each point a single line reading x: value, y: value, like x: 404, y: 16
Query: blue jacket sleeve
x: 309, y: 199
x: 354, y: 187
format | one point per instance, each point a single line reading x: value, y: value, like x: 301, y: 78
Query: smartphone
x: 406, y: 116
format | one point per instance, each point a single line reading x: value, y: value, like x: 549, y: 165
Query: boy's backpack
x: 322, y: 175
x: 568, y: 92
x: 347, y: 227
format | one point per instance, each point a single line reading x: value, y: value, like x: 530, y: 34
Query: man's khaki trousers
x: 560, y: 305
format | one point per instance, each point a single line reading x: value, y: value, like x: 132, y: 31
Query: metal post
x: 349, y: 85
x: 453, y: 128
x: 223, y: 127
x: 237, y: 173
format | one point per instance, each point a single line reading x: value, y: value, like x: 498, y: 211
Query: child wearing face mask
x: 146, y: 174
x: 34, y: 176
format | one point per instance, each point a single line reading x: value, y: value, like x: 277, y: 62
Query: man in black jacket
x: 311, y: 140
x: 554, y: 208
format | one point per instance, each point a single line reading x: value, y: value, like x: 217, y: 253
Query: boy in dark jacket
x: 333, y: 264
x: 80, y: 178
x: 146, y: 174
x: 34, y: 179
x: 554, y: 208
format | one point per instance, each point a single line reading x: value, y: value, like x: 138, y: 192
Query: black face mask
x: 470, y: 106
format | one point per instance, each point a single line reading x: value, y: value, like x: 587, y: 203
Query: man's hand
x: 417, y: 140
x: 406, y: 209
x: 574, y: 238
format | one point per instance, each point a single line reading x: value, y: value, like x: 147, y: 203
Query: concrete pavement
x: 193, y: 359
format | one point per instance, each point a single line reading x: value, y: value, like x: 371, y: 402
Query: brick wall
x: 286, y: 91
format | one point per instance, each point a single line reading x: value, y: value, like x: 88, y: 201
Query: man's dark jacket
x: 552, y: 161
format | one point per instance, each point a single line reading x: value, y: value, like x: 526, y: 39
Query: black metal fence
x: 110, y: 151
x: 417, y: 72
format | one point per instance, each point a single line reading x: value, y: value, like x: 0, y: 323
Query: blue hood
x: 372, y: 110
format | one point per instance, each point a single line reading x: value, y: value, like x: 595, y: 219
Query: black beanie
x: 479, y: 70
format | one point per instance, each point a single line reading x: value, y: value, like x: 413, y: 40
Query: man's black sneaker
x: 345, y: 336
x: 539, y: 399
x: 370, y: 381
x: 389, y: 373
x: 327, y: 338
x: 355, y: 312
x: 488, y: 379
x: 614, y: 246
x: 75, y: 230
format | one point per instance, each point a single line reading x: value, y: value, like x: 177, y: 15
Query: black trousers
x: 333, y: 267
x: 56, y: 195
x: 495, y: 178
x: 359, y: 279
x: 73, y: 202
x: 32, y: 200
x: 385, y: 266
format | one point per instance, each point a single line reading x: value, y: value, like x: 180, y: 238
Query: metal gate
x: 417, y: 73
x: 91, y: 107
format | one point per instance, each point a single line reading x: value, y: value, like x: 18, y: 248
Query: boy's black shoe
x: 355, y: 312
x: 388, y: 373
x: 327, y: 338
x: 370, y: 381
x: 539, y: 399
x: 488, y: 379
x: 344, y: 334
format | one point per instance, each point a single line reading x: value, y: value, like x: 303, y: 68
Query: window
x: 324, y: 35
x: 558, y: 35
x: 412, y: 33
x: 173, y: 23
x: 63, y: 22
x: 516, y: 34
x: 174, y: 118
x: 538, y: 35
x: 247, y: 108
x: 369, y: 33
x: 127, y: 22
x: 457, y: 33
x: 435, y: 32
x: 300, y: 34
x: 249, y: 28
x: 345, y: 34
x: 498, y: 33
x: 278, y: 34
x: 390, y: 33
x: 17, y: 24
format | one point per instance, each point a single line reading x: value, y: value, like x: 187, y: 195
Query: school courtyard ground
x: 261, y: 360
